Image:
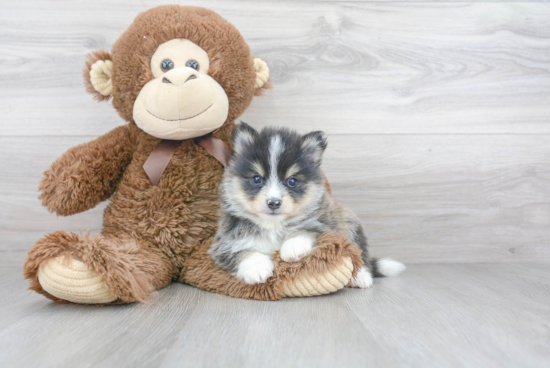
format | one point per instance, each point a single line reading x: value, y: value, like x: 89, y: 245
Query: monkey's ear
x: 262, y: 76
x: 243, y: 135
x: 313, y: 145
x: 97, y: 74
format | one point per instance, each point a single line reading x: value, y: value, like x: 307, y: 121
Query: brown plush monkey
x: 178, y: 73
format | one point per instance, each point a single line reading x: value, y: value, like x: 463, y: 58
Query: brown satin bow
x: 159, y: 159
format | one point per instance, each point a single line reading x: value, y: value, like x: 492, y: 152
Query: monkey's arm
x: 86, y: 174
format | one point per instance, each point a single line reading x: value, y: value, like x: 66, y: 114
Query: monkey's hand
x: 86, y: 174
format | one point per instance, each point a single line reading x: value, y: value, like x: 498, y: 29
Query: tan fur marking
x: 292, y: 170
x: 259, y: 169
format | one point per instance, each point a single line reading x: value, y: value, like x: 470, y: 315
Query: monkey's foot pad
x: 326, y: 283
x: 72, y: 280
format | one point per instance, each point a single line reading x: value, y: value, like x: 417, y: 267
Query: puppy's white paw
x: 255, y: 269
x: 297, y: 248
x: 363, y: 279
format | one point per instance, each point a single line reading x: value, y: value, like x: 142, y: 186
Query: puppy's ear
x: 313, y: 145
x: 243, y: 135
x: 97, y: 75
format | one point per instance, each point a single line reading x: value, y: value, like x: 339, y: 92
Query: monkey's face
x: 182, y: 101
x: 178, y: 72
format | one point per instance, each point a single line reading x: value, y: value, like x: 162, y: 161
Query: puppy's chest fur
x: 266, y: 238
x: 266, y: 241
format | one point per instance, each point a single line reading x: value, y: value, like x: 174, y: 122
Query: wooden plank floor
x: 483, y: 315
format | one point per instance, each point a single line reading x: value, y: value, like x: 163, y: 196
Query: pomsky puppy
x: 274, y: 197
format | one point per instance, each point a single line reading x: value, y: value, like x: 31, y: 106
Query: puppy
x: 274, y: 197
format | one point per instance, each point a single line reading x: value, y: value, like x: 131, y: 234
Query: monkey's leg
x: 95, y: 269
x: 327, y: 269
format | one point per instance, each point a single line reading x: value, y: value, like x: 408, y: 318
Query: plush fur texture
x: 153, y: 235
x: 231, y: 63
x: 131, y: 268
x: 329, y: 251
x: 87, y: 174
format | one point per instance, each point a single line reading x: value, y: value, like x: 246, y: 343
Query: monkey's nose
x: 179, y: 77
x: 273, y: 203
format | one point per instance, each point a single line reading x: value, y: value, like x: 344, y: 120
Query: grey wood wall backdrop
x: 438, y: 113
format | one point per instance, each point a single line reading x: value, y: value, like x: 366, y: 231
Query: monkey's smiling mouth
x: 191, y: 117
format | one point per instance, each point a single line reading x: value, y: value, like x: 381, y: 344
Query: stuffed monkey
x: 179, y: 77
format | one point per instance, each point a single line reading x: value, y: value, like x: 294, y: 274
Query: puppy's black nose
x: 273, y: 203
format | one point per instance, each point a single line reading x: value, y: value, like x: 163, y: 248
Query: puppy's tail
x: 386, y: 267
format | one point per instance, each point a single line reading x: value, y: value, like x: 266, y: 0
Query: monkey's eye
x: 292, y: 182
x: 257, y: 179
x: 192, y: 64
x: 166, y: 65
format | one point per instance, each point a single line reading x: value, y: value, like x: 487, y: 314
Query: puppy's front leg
x: 298, y: 245
x: 254, y: 267
x: 248, y: 265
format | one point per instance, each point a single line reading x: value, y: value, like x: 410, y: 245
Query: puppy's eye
x: 192, y: 64
x: 257, y: 179
x: 166, y: 65
x: 292, y: 182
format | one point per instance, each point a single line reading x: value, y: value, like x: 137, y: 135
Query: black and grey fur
x: 274, y: 197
